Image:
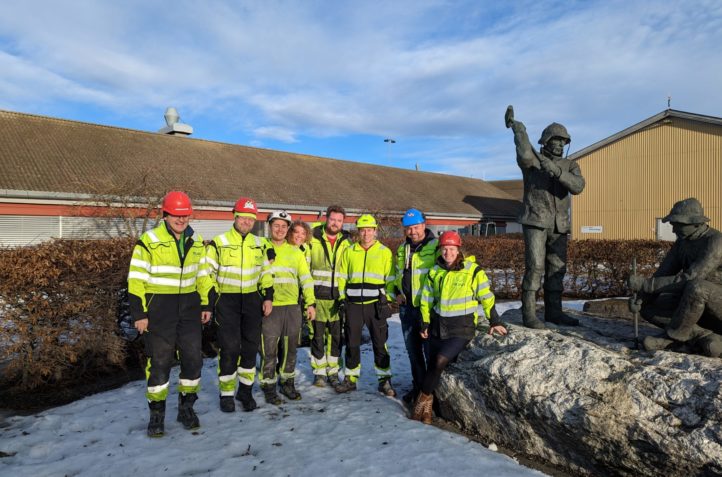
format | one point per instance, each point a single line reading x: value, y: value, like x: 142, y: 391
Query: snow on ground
x: 324, y: 434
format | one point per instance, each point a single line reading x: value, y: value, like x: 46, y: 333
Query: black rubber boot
x: 245, y: 395
x: 227, y: 404
x: 553, y: 310
x: 186, y: 415
x: 270, y: 395
x: 345, y: 386
x: 528, y: 310
x: 288, y: 389
x: 386, y: 389
x: 156, y: 424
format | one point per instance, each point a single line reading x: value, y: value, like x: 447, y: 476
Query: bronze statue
x: 684, y: 296
x: 549, y: 178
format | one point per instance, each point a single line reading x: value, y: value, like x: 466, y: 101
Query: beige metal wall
x: 631, y: 182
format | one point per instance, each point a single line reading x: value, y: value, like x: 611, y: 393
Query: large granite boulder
x: 581, y: 398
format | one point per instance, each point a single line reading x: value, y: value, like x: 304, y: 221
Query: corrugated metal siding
x: 634, y: 181
x: 18, y: 230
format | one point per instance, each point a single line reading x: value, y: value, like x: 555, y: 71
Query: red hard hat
x: 176, y: 202
x: 450, y: 238
x: 245, y: 205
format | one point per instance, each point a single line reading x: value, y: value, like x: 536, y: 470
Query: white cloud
x: 433, y: 69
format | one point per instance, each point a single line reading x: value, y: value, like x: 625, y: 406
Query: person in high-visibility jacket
x: 242, y: 280
x: 414, y: 258
x: 168, y: 286
x: 283, y: 323
x: 299, y: 235
x: 455, y: 292
x: 364, y: 273
x: 327, y: 247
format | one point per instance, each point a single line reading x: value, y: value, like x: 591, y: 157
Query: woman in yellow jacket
x: 456, y: 290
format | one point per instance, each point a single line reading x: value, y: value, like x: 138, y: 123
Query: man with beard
x: 328, y: 243
x: 684, y: 296
x: 549, y: 178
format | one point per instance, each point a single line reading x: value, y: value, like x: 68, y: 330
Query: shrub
x: 59, y: 314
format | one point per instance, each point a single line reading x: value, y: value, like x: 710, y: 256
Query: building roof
x: 60, y: 156
x: 514, y: 188
x: 664, y: 115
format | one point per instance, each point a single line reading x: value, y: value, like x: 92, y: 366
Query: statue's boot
x: 553, y: 310
x: 528, y: 310
x: 710, y: 345
x: 655, y: 343
x: 684, y: 320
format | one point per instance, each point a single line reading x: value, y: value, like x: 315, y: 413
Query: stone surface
x: 583, y: 399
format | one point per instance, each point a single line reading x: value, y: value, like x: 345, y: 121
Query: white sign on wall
x: 592, y: 229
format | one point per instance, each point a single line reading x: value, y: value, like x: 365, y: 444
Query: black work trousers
x: 174, y: 325
x: 358, y: 315
x: 239, y: 317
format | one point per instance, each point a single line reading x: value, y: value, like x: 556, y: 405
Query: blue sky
x: 334, y: 78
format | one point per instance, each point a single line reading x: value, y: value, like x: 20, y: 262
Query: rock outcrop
x: 583, y: 399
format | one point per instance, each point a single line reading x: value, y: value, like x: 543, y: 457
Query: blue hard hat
x: 413, y: 217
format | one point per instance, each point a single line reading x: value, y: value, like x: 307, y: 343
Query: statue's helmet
x: 554, y: 130
x: 687, y: 211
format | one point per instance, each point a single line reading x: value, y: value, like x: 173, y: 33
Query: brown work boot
x: 423, y: 410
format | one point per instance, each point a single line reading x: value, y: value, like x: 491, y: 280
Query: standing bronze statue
x: 684, y: 296
x: 549, y: 178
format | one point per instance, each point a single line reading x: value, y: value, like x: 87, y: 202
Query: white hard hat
x: 280, y: 214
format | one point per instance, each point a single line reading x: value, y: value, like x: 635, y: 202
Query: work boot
x: 319, y: 381
x: 288, y: 389
x: 410, y: 397
x: 333, y: 380
x: 553, y: 310
x: 655, y: 343
x: 157, y: 418
x: 345, y: 386
x: 227, y: 404
x: 528, y: 310
x: 270, y: 395
x: 423, y: 410
x: 386, y: 389
x: 186, y: 415
x: 245, y: 395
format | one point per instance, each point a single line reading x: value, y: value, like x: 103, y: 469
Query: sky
x: 323, y: 434
x: 336, y: 78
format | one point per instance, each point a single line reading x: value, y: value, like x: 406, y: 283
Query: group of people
x: 259, y: 290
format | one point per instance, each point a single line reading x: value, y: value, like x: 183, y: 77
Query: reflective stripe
x: 304, y: 277
x: 421, y: 271
x: 427, y: 298
x: 192, y: 268
x: 203, y: 273
x: 285, y: 280
x: 487, y: 296
x: 362, y: 292
x: 189, y: 382
x: 140, y: 263
x: 153, y: 237
x: 172, y: 282
x: 321, y: 283
x: 138, y: 276
x: 481, y: 286
x: 213, y: 263
x: 383, y: 373
x: 353, y: 372
x: 453, y: 313
x: 238, y: 283
x: 225, y: 269
x: 165, y: 269
x: 341, y: 276
x: 283, y: 269
x: 322, y: 273
x: 367, y: 275
x: 224, y: 240
x: 455, y: 301
x: 391, y: 278
x: 159, y: 388
x: 227, y: 378
x: 307, y: 285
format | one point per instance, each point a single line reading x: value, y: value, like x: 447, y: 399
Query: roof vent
x: 174, y: 126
